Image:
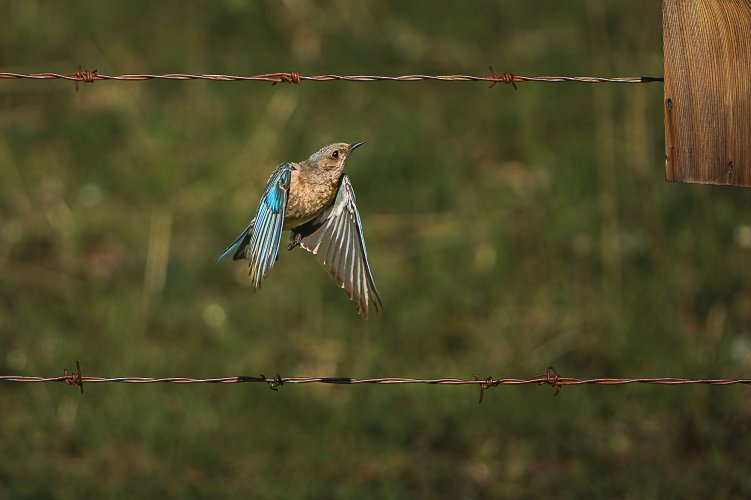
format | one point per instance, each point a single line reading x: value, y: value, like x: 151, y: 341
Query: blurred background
x: 507, y: 231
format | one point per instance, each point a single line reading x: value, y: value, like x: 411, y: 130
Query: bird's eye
x: 335, y: 154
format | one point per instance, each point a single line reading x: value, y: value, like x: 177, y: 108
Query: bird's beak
x: 354, y: 146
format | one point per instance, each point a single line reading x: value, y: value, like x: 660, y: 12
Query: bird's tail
x: 240, y: 244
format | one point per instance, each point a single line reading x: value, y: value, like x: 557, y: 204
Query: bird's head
x: 332, y: 157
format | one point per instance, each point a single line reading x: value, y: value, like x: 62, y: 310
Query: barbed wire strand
x: 294, y: 77
x: 551, y: 377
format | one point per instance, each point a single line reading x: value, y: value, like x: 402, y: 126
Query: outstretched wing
x: 240, y: 245
x: 336, y: 239
x: 259, y: 243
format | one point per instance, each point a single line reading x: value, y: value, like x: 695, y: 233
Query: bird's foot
x: 296, y: 239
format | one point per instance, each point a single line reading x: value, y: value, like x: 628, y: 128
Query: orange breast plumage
x: 306, y: 201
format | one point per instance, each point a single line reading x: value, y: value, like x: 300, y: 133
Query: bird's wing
x: 259, y: 243
x: 240, y: 244
x: 336, y: 239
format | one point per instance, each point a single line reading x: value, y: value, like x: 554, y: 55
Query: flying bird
x: 315, y: 200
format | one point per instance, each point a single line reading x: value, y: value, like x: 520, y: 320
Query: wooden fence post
x: 707, y: 51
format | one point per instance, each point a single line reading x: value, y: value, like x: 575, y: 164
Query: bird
x: 314, y: 199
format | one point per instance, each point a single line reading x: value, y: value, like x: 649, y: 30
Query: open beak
x: 354, y: 146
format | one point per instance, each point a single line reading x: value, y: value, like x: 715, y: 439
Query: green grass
x: 507, y: 231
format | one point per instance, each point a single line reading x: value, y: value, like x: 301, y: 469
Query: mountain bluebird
x: 315, y: 199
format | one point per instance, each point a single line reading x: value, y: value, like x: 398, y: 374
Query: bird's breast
x: 306, y: 201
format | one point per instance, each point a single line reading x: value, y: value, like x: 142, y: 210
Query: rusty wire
x: 551, y: 377
x: 294, y: 77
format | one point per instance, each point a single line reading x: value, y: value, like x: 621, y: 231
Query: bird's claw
x: 296, y: 240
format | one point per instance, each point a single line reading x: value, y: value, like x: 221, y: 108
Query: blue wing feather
x: 235, y: 244
x: 259, y: 243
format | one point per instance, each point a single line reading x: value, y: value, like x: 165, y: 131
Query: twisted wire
x: 296, y: 78
x: 539, y: 379
x: 551, y: 377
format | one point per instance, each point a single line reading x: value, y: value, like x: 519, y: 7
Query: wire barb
x: 292, y: 77
x: 85, y: 76
x: 485, y: 384
x: 74, y: 379
x: 551, y: 377
x: 274, y: 383
x: 502, y: 78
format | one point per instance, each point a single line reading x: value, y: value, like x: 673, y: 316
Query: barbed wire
x: 551, y: 377
x: 294, y: 77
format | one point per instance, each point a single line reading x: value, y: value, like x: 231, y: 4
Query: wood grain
x: 707, y: 51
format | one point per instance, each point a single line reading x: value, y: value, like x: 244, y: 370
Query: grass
x: 507, y: 231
